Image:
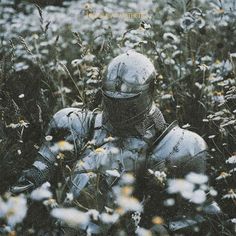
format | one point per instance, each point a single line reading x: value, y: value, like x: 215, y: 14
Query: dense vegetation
x: 55, y: 56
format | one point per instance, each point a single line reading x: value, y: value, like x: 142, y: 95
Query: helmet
x: 128, y: 89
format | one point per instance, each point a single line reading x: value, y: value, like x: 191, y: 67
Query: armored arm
x: 68, y: 131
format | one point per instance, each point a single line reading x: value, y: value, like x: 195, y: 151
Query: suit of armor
x: 129, y: 134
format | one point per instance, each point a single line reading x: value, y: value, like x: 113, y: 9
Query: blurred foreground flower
x: 198, y: 197
x: 193, y: 187
x: 62, y: 146
x: 129, y: 204
x: 13, y: 210
x: 196, y: 178
x: 143, y: 232
x: 41, y: 193
x: 109, y: 218
x: 71, y: 216
x: 181, y: 186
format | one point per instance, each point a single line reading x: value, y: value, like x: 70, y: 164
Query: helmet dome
x: 128, y: 74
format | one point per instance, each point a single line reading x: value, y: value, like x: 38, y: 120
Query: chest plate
x: 104, y: 153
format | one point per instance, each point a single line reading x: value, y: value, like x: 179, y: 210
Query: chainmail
x: 36, y: 176
x: 154, y: 117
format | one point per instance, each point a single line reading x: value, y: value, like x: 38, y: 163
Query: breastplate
x: 105, y: 152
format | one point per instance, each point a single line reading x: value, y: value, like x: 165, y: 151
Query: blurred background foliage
x: 53, y: 54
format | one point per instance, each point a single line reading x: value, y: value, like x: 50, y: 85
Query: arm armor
x: 70, y: 124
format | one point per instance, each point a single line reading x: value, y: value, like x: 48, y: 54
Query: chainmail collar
x: 152, y: 125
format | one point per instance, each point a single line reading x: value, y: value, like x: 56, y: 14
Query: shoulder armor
x: 72, y: 123
x: 180, y: 149
x: 69, y: 124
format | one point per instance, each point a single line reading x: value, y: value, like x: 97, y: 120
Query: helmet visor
x: 126, y: 109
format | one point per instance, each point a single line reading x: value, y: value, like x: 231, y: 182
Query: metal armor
x: 175, y: 148
x: 129, y: 134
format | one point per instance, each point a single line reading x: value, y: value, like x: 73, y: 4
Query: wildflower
x: 232, y: 170
x: 41, y: 192
x: 69, y: 197
x: 198, y: 85
x: 60, y: 156
x: 127, y: 178
x: 172, y: 37
x: 169, y: 202
x: 187, y: 22
x: 186, y: 126
x: 143, y: 232
x: 223, y: 175
x: 198, y: 197
x: 89, y: 57
x: 151, y: 171
x: 213, y: 192
x: 50, y: 202
x: 145, y: 25
x: 21, y: 96
x: 169, y: 61
x: 157, y: 220
x: 62, y: 146
x: 113, y: 173
x: 109, y: 218
x: 126, y: 191
x: 230, y: 195
x: 233, y: 55
x: 231, y: 160
x: 196, y: 178
x: 94, y: 214
x: 129, y: 204
x: 64, y: 90
x: 71, y: 216
x: 203, y: 67
x: 181, y: 186
x: 21, y: 123
x: 13, y: 210
x: 191, y: 20
x: 19, y: 152
x: 76, y: 62
x: 48, y: 138
x: 20, y: 66
x: 160, y: 175
x: 200, y: 22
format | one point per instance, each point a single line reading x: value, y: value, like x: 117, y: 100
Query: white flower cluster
x: 192, y: 188
x: 160, y: 175
x: 13, y: 210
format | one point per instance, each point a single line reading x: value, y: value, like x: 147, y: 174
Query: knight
x: 128, y: 135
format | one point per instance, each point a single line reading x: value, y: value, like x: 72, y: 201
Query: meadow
x: 55, y: 56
